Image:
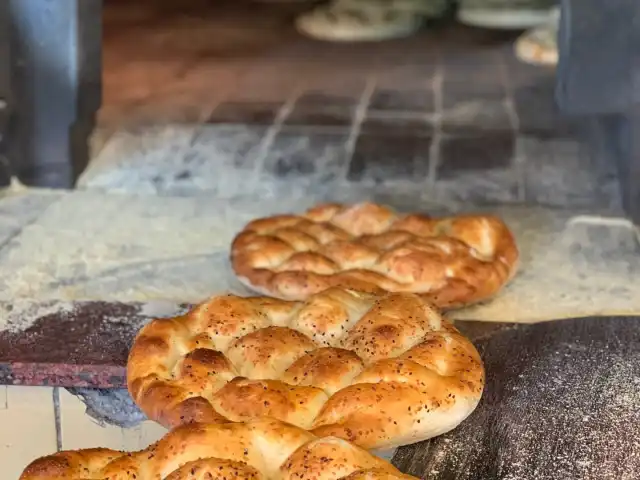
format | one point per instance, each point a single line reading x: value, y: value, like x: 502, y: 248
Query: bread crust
x: 265, y: 448
x: 380, y: 371
x: 450, y: 261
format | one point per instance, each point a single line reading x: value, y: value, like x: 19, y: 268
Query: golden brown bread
x: 261, y: 449
x: 378, y: 371
x: 451, y: 261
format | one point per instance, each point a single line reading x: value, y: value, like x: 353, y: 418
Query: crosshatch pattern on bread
x: 379, y: 371
x: 451, y: 261
x: 262, y: 449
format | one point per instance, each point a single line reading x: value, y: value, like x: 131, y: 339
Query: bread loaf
x: 451, y: 261
x: 261, y: 449
x: 378, y: 371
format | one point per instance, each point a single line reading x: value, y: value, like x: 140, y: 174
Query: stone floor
x: 210, y: 99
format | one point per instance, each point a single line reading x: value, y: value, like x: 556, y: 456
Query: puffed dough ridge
x: 380, y: 371
x: 450, y: 261
x: 261, y: 449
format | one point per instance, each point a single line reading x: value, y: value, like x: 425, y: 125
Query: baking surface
x: 175, y: 249
x: 196, y: 102
x: 159, y: 204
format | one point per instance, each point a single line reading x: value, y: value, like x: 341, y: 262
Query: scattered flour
x: 94, y: 246
x: 21, y: 313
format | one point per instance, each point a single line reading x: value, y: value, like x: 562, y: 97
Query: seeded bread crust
x: 263, y: 449
x: 378, y: 371
x: 450, y: 261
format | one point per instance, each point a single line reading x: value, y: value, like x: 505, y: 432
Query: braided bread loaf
x: 450, y: 261
x: 262, y: 449
x: 378, y: 371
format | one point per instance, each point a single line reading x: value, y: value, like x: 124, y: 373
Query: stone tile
x: 297, y: 156
x: 318, y: 116
x: 522, y: 74
x: 323, y: 100
x: 538, y: 113
x: 93, y: 245
x: 164, y: 107
x: 455, y: 92
x: 560, y: 172
x: 403, y: 196
x: 231, y: 147
x: 245, y: 113
x: 19, y: 209
x: 330, y: 76
x: 132, y: 157
x: 478, y: 168
x: 383, y: 158
x: 475, y: 154
x: 257, y: 86
x: 597, y: 238
x: 385, y: 124
x: 179, y: 161
x: 466, y: 72
x: 405, y: 76
x: 402, y: 100
x: 489, y: 187
x: 476, y: 117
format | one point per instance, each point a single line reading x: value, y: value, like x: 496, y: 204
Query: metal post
x: 599, y: 76
x: 598, y: 47
x: 627, y: 153
x: 5, y: 169
x: 5, y: 84
x: 56, y: 88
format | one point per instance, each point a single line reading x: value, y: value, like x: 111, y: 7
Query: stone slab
x: 19, y: 207
x: 89, y: 246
